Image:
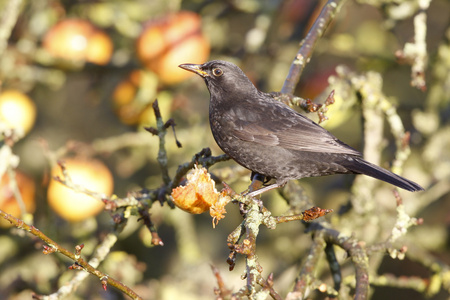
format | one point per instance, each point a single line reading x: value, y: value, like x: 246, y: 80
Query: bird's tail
x: 365, y: 167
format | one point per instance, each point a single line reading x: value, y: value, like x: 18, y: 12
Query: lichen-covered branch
x: 416, y: 53
x: 359, y: 259
x: 306, y: 279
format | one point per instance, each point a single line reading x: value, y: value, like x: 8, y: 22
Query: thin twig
x: 335, y: 268
x: 98, y: 256
x: 161, y: 131
x: 55, y: 247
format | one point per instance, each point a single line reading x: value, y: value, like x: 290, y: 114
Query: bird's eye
x: 217, y: 72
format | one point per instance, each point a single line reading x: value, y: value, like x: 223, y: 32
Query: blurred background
x: 78, y: 79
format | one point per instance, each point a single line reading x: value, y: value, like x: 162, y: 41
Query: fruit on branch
x: 90, y: 174
x: 17, y: 110
x: 8, y: 201
x: 171, y: 40
x: 78, y: 40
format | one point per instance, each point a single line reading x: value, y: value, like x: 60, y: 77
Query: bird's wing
x: 254, y: 133
x: 295, y: 132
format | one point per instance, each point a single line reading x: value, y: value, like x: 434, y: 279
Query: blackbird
x: 270, y: 138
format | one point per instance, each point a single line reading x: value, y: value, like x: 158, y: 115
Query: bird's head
x: 222, y: 77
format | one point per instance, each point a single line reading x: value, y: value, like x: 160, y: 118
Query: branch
x: 358, y: 256
x: 80, y: 262
x: 416, y: 53
x: 369, y: 87
x: 440, y: 270
x: 307, y: 45
x: 398, y: 131
x: 7, y: 22
x: 67, y: 181
x: 161, y: 131
x: 255, y: 215
x: 323, y: 234
x: 406, y: 282
x: 306, y: 278
x: 99, y: 255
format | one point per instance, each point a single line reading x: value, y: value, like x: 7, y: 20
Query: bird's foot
x: 262, y: 190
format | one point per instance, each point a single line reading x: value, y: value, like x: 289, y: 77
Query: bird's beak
x: 197, y: 69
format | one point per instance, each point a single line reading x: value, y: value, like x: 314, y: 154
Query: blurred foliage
x: 78, y: 112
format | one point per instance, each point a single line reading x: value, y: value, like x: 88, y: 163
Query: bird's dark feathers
x: 255, y: 116
x: 269, y: 138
